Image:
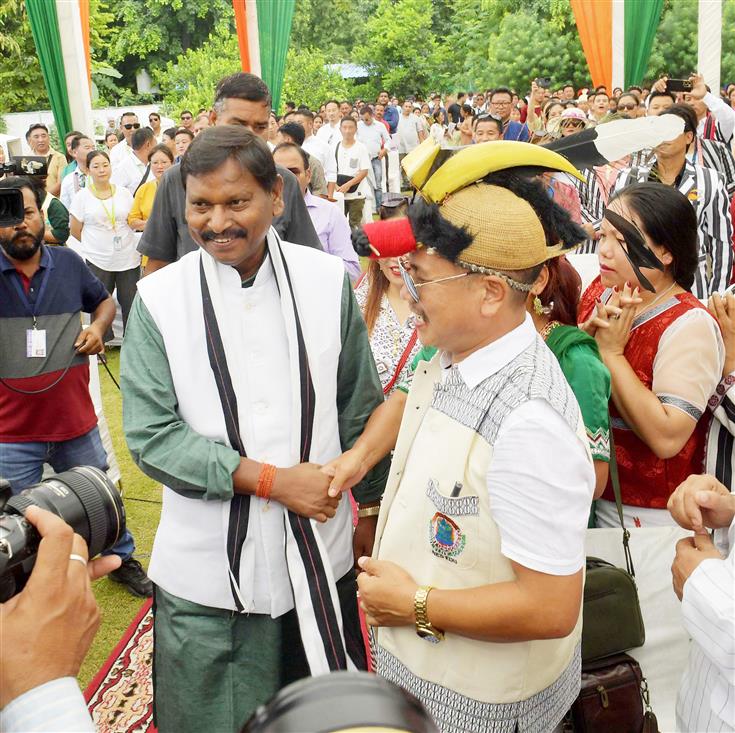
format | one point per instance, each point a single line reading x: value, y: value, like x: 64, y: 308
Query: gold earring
x: 538, y: 306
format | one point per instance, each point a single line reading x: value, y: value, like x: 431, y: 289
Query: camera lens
x: 341, y: 701
x: 85, y: 498
x: 11, y: 207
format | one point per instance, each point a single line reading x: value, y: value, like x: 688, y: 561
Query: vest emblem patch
x: 446, y: 538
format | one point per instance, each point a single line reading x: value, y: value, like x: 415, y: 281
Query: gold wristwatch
x: 423, y: 626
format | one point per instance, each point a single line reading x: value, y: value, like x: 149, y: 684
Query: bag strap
x: 615, y: 481
x: 143, y: 178
x: 401, y: 362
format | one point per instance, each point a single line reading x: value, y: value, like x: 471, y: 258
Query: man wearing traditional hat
x: 476, y: 578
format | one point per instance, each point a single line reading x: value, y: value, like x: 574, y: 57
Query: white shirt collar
x: 490, y: 359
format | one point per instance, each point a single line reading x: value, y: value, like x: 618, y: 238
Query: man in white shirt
x: 410, y: 130
x: 128, y: 125
x: 81, y: 147
x: 376, y: 139
x: 318, y: 148
x: 154, y: 121
x: 704, y: 581
x: 330, y: 132
x: 716, y: 118
x: 331, y: 226
x: 133, y: 168
x: 353, y: 163
x: 480, y: 538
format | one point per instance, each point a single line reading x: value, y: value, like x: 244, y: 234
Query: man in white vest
x: 246, y: 366
x: 476, y: 578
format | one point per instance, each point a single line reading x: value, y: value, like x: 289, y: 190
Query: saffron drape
x: 594, y: 23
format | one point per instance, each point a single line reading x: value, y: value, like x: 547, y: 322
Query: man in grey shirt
x: 240, y: 99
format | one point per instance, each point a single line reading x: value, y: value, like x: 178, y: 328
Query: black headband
x: 638, y: 253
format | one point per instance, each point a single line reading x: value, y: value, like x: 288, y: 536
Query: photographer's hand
x: 90, y: 341
x: 46, y: 630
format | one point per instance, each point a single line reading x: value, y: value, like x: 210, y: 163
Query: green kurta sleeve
x: 589, y: 379
x: 58, y: 218
x: 426, y: 354
x: 358, y: 391
x: 162, y: 445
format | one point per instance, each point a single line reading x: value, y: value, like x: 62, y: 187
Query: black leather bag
x: 342, y: 178
x: 611, y: 618
x: 613, y: 699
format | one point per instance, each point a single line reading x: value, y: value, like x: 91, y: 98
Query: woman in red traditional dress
x: 662, y: 346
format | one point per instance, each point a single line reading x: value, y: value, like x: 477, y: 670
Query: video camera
x: 11, y: 201
x: 84, y: 497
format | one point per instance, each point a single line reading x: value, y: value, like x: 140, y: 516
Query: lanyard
x: 110, y: 213
x: 32, y: 308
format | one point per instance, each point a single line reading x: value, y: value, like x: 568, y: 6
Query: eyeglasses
x: 132, y: 126
x: 413, y: 287
x: 628, y: 107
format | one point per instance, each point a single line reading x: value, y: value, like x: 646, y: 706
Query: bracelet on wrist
x: 266, y: 478
x: 368, y: 511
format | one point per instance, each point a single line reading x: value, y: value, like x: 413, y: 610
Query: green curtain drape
x: 274, y: 31
x: 641, y: 23
x: 45, y: 29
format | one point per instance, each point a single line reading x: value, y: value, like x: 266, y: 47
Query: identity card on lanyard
x: 110, y: 214
x: 35, y: 336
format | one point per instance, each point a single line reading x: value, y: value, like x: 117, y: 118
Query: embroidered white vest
x: 447, y: 438
x: 189, y: 556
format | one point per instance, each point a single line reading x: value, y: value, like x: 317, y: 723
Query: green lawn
x: 143, y: 507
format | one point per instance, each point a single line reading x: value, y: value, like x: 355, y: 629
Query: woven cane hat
x: 506, y: 232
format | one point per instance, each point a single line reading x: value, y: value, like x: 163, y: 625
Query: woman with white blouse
x: 391, y: 331
x: 99, y: 219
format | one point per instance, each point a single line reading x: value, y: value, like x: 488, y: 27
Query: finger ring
x: 78, y: 558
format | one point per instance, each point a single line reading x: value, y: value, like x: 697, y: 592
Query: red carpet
x: 120, y: 697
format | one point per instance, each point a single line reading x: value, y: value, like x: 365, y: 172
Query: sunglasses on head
x: 132, y: 126
x: 488, y: 116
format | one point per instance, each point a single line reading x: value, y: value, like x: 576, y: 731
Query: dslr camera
x: 11, y: 201
x: 84, y: 497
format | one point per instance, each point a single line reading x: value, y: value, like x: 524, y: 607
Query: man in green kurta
x: 245, y: 366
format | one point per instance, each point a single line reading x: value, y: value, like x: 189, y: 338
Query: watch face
x: 429, y: 636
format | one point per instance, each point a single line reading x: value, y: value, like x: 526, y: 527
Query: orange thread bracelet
x: 265, y: 481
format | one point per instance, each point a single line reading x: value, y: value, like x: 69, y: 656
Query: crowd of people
x: 467, y: 390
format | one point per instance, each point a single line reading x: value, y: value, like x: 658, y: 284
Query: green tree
x: 727, y: 74
x: 189, y: 82
x: 674, y: 50
x: 527, y: 46
x: 309, y: 80
x: 21, y: 82
x: 334, y: 26
x: 400, y: 46
x: 151, y: 33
